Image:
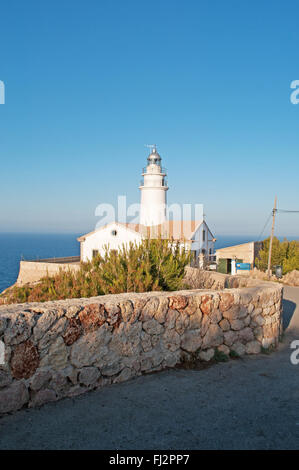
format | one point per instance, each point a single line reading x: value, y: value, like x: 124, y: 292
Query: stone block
x: 191, y: 340
x: 213, y: 337
x: 13, y: 397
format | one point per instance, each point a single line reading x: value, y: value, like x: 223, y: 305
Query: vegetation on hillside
x: 152, y: 265
x: 285, y: 253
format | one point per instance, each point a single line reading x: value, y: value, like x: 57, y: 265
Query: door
x: 222, y: 266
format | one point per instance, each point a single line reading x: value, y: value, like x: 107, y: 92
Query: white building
x: 113, y: 235
x: 193, y: 235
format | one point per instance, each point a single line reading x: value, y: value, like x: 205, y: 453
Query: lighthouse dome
x: 154, y: 157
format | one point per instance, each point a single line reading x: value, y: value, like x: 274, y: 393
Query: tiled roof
x: 173, y: 229
x: 181, y: 230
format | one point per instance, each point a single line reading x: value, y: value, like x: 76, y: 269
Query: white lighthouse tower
x: 153, y: 191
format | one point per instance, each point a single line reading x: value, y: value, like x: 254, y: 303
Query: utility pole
x: 271, y: 238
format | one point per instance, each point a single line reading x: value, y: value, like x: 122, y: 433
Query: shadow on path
x: 289, y: 308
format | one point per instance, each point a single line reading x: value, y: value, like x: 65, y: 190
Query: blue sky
x: 89, y: 83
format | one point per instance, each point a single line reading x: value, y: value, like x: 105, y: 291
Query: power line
x: 291, y: 212
x: 273, y: 214
x: 284, y: 211
x: 271, y: 237
x: 270, y: 215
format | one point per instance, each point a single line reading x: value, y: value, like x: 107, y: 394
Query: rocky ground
x: 291, y: 279
x: 248, y: 403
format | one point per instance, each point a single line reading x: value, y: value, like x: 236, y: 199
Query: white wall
x: 102, y: 237
x: 198, y: 244
x: 153, y: 197
x: 244, y: 251
x: 31, y: 271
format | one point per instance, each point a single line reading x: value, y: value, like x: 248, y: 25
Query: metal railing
x: 163, y: 171
x: 164, y: 184
x: 63, y: 260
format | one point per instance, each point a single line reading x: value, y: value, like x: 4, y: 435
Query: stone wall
x: 199, y: 279
x: 65, y: 348
x: 33, y: 271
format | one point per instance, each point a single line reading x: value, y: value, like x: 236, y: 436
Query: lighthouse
x: 153, y: 191
x: 192, y: 235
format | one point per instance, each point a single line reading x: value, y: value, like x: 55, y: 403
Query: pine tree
x: 284, y: 253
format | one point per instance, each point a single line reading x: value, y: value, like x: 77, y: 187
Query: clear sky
x: 89, y: 83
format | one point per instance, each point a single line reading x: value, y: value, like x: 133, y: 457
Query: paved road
x: 250, y: 403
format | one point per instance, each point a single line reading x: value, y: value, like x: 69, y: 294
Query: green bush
x: 152, y: 265
x: 285, y: 253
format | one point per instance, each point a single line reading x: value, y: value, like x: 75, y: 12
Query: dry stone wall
x: 200, y: 279
x: 65, y: 348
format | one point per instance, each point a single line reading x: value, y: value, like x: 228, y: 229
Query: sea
x: 28, y: 246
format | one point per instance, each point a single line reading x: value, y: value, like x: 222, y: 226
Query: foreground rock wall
x: 64, y: 348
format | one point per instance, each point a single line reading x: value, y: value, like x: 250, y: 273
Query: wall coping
x: 255, y: 287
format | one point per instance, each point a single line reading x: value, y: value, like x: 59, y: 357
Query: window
x: 114, y: 233
x: 203, y: 235
x: 95, y: 253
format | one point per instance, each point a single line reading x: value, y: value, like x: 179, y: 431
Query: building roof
x: 83, y: 237
x: 180, y: 230
x: 174, y: 229
x: 241, y: 245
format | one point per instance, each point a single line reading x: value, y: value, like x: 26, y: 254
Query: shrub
x: 220, y: 356
x: 152, y: 265
x: 285, y: 253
